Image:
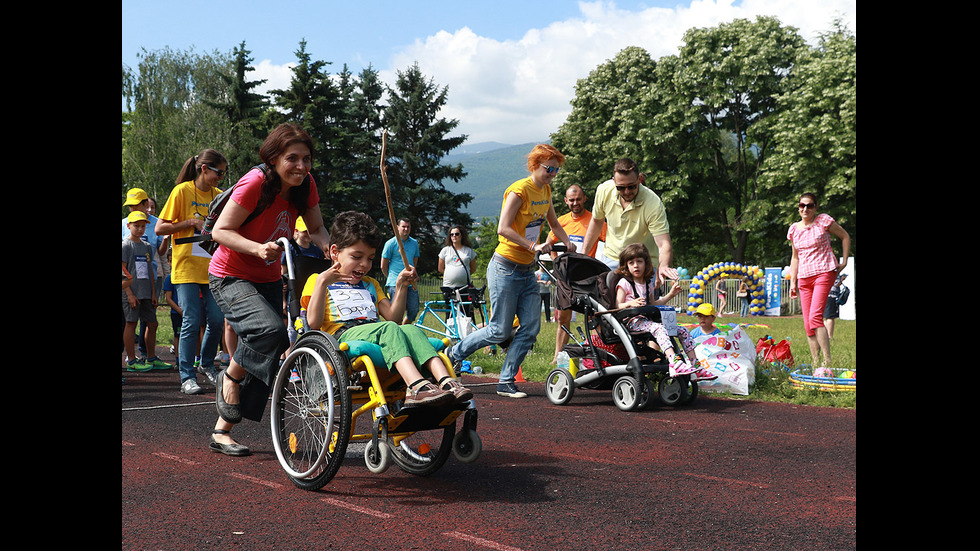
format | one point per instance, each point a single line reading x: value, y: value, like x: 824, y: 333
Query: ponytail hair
x: 192, y: 167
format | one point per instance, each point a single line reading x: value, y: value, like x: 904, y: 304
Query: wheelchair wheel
x: 677, y: 391
x: 424, y: 452
x: 627, y: 393
x: 559, y: 386
x: 467, y: 445
x: 377, y: 460
x: 311, y: 411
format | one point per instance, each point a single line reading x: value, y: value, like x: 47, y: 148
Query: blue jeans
x: 411, y: 302
x: 199, y: 308
x: 513, y: 292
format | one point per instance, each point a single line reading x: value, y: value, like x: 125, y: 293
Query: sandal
x: 236, y: 449
x: 230, y: 413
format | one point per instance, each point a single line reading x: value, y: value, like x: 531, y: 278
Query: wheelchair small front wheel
x: 467, y: 445
x: 377, y: 458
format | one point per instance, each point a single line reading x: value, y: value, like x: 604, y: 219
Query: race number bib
x: 349, y: 302
x: 533, y: 230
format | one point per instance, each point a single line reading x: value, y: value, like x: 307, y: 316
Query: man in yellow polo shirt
x: 633, y: 213
x: 575, y: 223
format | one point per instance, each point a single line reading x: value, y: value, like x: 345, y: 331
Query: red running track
x: 718, y: 474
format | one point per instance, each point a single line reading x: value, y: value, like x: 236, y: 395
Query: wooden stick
x: 391, y: 209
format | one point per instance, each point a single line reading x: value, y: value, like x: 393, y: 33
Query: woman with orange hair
x: 510, y: 274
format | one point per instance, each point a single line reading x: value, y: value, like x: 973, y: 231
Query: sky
x: 510, y: 66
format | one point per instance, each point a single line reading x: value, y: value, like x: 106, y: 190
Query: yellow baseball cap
x: 300, y: 224
x: 135, y: 196
x: 705, y: 309
x: 136, y: 216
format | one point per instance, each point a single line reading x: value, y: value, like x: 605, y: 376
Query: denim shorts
x: 255, y: 312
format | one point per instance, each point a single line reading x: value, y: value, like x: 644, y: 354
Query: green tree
x: 816, y: 135
x: 359, y: 145
x: 168, y: 119
x: 724, y: 84
x: 244, y: 111
x: 313, y: 101
x: 417, y: 141
x: 603, y: 125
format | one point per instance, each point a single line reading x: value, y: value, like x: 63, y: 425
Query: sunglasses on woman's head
x: 455, y: 234
x: 807, y: 206
x: 551, y: 169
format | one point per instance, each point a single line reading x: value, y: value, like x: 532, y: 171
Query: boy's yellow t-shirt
x: 346, y: 302
x: 528, y: 221
x: 190, y: 262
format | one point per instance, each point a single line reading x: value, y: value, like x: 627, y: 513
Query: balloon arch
x: 757, y: 289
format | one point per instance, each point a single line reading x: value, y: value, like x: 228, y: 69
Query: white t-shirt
x: 455, y: 274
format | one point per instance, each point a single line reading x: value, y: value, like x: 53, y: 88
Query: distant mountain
x: 490, y: 167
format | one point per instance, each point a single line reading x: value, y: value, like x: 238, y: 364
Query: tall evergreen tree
x: 313, y: 101
x: 417, y: 141
x: 245, y: 110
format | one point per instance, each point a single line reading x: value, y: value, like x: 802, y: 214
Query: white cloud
x: 277, y: 77
x: 517, y: 91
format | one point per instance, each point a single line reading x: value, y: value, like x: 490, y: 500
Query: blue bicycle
x: 453, y: 316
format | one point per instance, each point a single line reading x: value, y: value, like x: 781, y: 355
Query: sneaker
x: 460, y: 392
x: 457, y: 364
x: 138, y: 365
x: 426, y: 394
x: 509, y: 390
x: 190, y: 386
x: 703, y: 375
x: 156, y: 363
x: 679, y: 367
x: 210, y: 374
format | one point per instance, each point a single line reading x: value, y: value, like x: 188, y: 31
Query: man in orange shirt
x: 575, y: 223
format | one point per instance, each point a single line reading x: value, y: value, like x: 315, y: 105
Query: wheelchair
x: 324, y: 389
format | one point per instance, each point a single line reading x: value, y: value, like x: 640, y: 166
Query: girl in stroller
x: 633, y: 290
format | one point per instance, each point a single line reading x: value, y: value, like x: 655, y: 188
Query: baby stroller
x: 324, y: 387
x: 610, y: 356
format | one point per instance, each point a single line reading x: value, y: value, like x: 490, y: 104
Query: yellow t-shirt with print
x: 190, y: 262
x: 528, y: 221
x: 345, y: 302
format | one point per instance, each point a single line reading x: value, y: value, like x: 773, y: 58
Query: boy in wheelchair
x: 345, y: 302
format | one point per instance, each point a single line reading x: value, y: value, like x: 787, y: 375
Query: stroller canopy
x: 577, y: 274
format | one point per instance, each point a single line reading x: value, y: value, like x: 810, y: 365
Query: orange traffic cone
x: 520, y: 376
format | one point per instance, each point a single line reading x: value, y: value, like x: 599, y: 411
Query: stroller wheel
x: 559, y: 386
x: 627, y: 393
x: 677, y: 391
x: 648, y: 392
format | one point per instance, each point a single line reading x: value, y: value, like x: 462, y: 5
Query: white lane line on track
x: 480, y: 541
x: 257, y: 480
x: 175, y: 458
x: 357, y: 508
x: 211, y: 403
